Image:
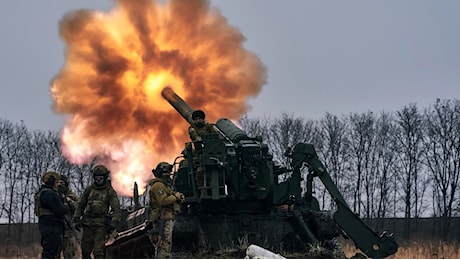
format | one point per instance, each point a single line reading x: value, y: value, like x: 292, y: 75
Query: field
x: 417, y: 249
x: 408, y: 250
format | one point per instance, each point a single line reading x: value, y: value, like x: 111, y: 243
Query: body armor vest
x: 38, y: 209
x: 98, y: 203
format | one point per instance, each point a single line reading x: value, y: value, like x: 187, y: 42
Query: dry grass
x: 415, y: 249
x: 15, y: 252
x: 435, y: 249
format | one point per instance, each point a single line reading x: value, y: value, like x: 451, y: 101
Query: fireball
x: 117, y: 63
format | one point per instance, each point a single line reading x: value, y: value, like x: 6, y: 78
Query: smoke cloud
x: 116, y: 65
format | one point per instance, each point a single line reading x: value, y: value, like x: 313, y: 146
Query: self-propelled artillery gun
x: 244, y: 200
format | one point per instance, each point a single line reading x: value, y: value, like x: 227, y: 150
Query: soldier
x: 164, y: 205
x: 69, y: 242
x: 93, y: 213
x: 199, y: 127
x: 50, y: 209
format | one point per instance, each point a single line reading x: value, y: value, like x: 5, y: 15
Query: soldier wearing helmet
x: 164, y: 204
x: 69, y: 242
x: 196, y: 130
x: 98, y: 212
x: 50, y: 209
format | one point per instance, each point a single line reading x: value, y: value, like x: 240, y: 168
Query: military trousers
x: 164, y: 245
x: 93, y: 241
x: 199, y: 176
x: 51, y: 240
x: 69, y: 244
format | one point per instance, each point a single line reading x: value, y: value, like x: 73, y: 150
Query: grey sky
x: 322, y: 56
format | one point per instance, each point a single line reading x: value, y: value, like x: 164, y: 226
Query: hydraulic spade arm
x: 370, y: 243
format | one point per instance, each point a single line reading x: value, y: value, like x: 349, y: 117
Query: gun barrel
x: 178, y: 103
x: 226, y: 126
x: 229, y: 129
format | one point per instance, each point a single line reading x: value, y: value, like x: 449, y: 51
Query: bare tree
x: 6, y: 128
x: 362, y: 139
x: 256, y: 127
x: 3, y: 129
x: 442, y: 154
x: 15, y: 156
x: 287, y: 132
x: 46, y: 156
x: 385, y: 145
x: 79, y: 175
x: 409, y: 138
x: 335, y: 151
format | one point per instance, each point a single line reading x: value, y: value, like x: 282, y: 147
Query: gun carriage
x: 244, y: 200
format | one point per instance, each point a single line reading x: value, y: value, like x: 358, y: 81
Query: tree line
x: 400, y: 164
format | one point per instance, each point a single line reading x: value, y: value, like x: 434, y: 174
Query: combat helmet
x: 100, y: 170
x: 162, y: 168
x: 50, y: 177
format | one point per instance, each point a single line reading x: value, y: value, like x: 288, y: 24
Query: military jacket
x: 195, y: 132
x: 161, y: 198
x: 95, y: 204
x: 71, y: 199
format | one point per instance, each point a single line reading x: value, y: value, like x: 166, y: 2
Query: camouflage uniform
x: 69, y: 243
x: 196, y: 131
x: 164, y: 204
x: 92, y: 213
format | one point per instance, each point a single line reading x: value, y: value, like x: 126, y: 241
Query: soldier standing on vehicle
x: 196, y: 130
x: 164, y: 205
x: 69, y: 242
x: 93, y: 213
x: 50, y: 209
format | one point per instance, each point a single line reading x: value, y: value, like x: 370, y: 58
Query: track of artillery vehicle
x: 244, y: 201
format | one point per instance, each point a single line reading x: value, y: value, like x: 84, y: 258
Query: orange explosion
x: 116, y: 65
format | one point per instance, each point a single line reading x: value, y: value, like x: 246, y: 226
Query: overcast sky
x: 321, y: 56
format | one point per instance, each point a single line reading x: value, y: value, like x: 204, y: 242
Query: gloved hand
x: 69, y: 200
x: 179, y: 196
